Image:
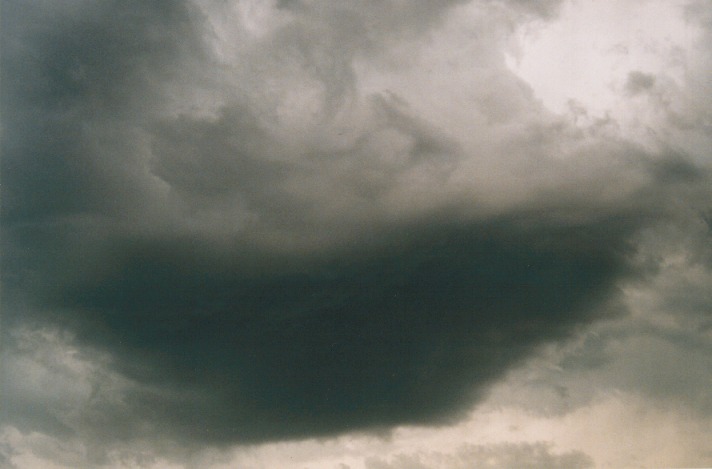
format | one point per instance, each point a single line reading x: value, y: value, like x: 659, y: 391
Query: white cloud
x: 586, y: 53
x: 582, y: 62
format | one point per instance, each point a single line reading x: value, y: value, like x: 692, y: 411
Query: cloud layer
x: 299, y: 219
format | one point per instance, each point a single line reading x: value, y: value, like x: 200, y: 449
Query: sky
x: 356, y: 235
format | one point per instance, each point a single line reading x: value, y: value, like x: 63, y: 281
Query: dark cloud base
x: 262, y: 347
x: 407, y: 322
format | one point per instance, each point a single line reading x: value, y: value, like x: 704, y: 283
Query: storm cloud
x: 267, y: 229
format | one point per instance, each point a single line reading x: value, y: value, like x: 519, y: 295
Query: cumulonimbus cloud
x: 272, y: 252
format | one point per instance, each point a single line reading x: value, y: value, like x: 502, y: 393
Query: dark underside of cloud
x: 263, y: 347
x: 405, y: 320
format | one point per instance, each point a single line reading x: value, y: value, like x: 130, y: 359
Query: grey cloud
x: 659, y: 352
x: 6, y: 453
x: 261, y: 269
x: 639, y: 82
x: 496, y: 456
x: 234, y: 161
x: 377, y: 19
x: 266, y: 346
x: 78, y: 81
x: 544, y: 9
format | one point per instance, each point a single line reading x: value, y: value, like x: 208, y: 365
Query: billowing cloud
x: 241, y: 222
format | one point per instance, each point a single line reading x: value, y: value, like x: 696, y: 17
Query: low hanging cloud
x: 263, y: 240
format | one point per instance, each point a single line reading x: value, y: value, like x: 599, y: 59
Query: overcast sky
x: 356, y: 234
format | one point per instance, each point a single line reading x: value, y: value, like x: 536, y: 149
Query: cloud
x: 522, y: 455
x: 656, y: 355
x: 405, y: 332
x: 302, y: 219
x: 639, y: 82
